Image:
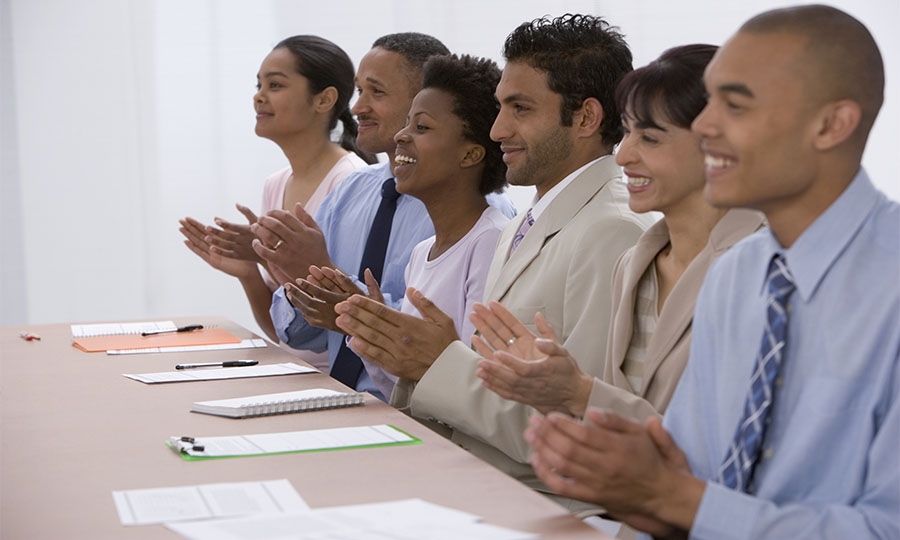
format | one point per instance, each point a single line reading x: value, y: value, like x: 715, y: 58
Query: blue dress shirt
x: 345, y: 218
x: 830, y: 462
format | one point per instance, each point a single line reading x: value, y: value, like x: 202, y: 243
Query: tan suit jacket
x: 670, y: 345
x: 562, y: 268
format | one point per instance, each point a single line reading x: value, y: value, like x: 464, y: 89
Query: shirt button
x: 788, y: 308
x: 767, y: 454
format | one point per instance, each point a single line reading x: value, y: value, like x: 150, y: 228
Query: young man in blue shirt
x: 794, y: 435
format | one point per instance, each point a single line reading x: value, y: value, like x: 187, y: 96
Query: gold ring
x: 277, y: 244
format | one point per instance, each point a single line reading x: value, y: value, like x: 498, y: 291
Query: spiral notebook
x: 282, y: 403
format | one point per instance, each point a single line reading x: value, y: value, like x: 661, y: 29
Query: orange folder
x: 207, y: 336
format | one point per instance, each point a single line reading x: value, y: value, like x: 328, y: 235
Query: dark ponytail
x: 325, y: 64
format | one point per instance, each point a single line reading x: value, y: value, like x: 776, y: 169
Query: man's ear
x: 835, y: 123
x: 588, y: 118
x: 474, y: 155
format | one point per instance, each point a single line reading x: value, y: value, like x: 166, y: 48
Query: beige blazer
x: 563, y: 268
x: 669, y: 347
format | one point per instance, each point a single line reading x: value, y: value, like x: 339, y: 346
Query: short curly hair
x: 583, y: 56
x: 471, y: 82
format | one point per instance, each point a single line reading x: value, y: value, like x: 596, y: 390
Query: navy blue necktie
x: 736, y: 471
x: 347, y: 366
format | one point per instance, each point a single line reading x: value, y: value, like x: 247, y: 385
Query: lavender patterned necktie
x: 526, y: 224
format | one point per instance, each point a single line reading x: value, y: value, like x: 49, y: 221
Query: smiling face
x: 431, y: 149
x: 385, y: 94
x: 537, y: 148
x: 663, y: 164
x: 758, y: 126
x: 283, y: 101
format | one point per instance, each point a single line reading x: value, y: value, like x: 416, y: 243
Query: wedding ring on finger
x: 277, y: 244
x: 510, y: 341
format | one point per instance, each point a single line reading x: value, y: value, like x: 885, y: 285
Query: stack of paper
x: 268, y: 370
x: 410, y: 519
x: 157, y: 505
x: 127, y: 336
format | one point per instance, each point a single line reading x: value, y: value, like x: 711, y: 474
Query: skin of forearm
x: 678, y: 499
x: 260, y: 298
x: 577, y: 405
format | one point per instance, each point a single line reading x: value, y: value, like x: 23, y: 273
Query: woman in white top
x: 446, y: 158
x: 304, y: 88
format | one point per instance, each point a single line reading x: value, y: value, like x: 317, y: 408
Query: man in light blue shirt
x: 793, y: 96
x: 386, y: 82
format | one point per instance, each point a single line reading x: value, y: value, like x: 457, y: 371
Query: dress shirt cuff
x: 725, y: 514
x: 283, y: 314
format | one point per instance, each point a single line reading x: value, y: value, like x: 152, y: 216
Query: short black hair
x: 840, y: 51
x: 471, y: 82
x: 671, y: 85
x: 583, y: 56
x: 415, y: 48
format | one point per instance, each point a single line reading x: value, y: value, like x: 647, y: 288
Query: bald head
x: 839, y: 59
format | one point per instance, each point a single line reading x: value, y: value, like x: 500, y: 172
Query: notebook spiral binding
x: 300, y: 405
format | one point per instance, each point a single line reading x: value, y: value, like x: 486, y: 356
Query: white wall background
x: 118, y: 117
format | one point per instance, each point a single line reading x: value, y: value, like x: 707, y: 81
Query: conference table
x: 73, y: 430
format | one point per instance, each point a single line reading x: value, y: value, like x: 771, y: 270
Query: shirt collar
x: 819, y: 246
x: 538, y: 205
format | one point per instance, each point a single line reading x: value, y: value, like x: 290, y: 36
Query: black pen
x: 188, y: 328
x: 231, y: 363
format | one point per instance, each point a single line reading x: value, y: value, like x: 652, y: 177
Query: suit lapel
x: 679, y: 307
x: 560, y: 211
x: 650, y: 243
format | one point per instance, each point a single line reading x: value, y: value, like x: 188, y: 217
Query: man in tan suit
x: 557, y: 127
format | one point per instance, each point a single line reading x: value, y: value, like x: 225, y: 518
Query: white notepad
x: 281, y: 403
x: 212, y: 374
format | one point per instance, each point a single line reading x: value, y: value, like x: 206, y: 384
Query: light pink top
x: 273, y: 193
x: 273, y: 199
x: 455, y: 280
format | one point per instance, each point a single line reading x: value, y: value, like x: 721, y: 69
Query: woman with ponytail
x: 304, y: 88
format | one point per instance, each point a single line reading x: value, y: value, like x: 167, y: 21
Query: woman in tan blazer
x: 655, y: 283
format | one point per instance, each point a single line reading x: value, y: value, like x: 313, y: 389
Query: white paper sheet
x: 211, y: 374
x: 156, y: 505
x: 292, y: 441
x: 244, y: 344
x: 410, y: 519
x: 120, y: 329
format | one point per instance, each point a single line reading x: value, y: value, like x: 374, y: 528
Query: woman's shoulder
x: 273, y: 189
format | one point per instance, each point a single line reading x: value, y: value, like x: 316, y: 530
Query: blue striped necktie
x: 736, y: 471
